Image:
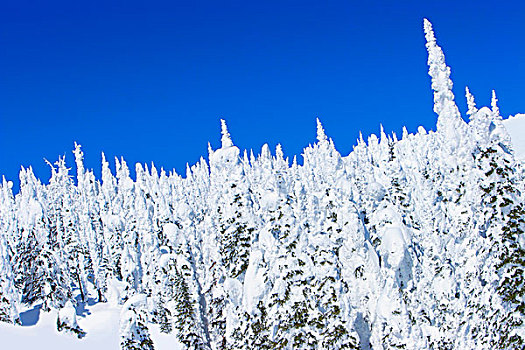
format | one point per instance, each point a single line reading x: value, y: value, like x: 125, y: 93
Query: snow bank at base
x: 515, y: 125
x: 101, y: 325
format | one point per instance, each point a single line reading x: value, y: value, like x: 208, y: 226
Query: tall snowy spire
x: 79, y: 160
x: 405, y: 133
x: 450, y: 125
x: 321, y: 136
x: 470, y: 103
x: 265, y: 152
x: 225, y: 139
x: 279, y: 151
x: 383, y: 138
x: 494, y: 104
x: 449, y: 117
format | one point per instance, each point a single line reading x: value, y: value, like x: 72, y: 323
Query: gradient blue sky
x: 149, y: 81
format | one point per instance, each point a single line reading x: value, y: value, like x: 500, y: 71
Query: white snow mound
x: 515, y: 125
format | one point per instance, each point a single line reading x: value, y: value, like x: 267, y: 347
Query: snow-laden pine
x: 411, y: 243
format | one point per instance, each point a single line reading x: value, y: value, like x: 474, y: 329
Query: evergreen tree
x: 67, y: 320
x: 90, y: 224
x: 449, y: 122
x: 134, y: 333
x: 187, y: 318
x: 38, y: 269
x: 415, y: 243
x: 9, y: 295
x: 504, y: 256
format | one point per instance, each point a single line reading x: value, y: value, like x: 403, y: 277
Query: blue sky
x: 150, y: 81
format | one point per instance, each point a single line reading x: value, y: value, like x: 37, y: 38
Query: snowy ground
x: 516, y: 128
x: 100, y: 321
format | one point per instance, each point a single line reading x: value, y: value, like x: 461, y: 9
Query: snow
x: 165, y: 259
x: 398, y: 243
x: 224, y: 157
x: 269, y: 201
x: 33, y: 213
x: 376, y: 191
x: 444, y: 283
x: 138, y: 300
x: 254, y: 287
x: 67, y: 316
x: 171, y: 231
x: 515, y: 125
x: 234, y: 290
x: 115, y: 291
x: 100, y: 322
x: 393, y: 246
x: 101, y: 325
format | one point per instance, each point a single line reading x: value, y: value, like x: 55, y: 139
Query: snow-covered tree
x: 67, y: 320
x: 134, y: 333
x: 411, y: 243
x: 449, y: 123
x: 90, y: 224
x: 9, y: 294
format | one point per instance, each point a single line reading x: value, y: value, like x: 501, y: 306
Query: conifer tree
x: 130, y: 266
x: 134, y: 333
x: 9, y: 295
x: 90, y: 224
x: 449, y: 124
x: 471, y: 104
x: 112, y: 226
x: 38, y: 270
x: 231, y: 220
x: 234, y: 207
x: 67, y: 320
x: 65, y: 237
x: 415, y: 243
x: 504, y: 256
x: 187, y: 319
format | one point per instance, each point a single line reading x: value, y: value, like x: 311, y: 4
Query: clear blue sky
x: 150, y: 80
